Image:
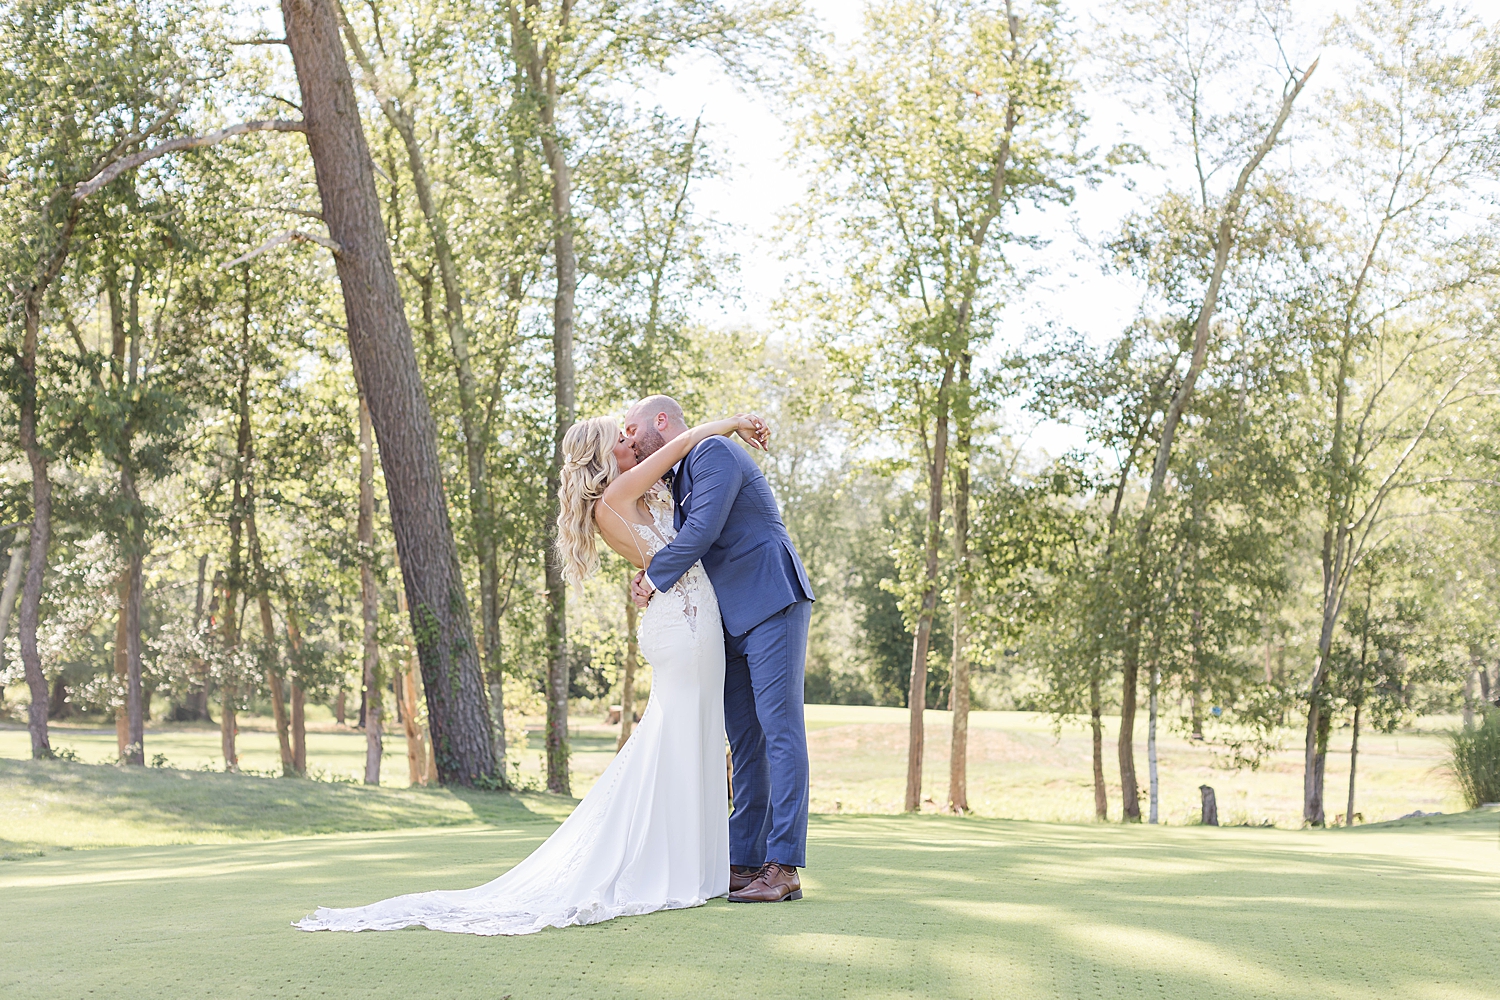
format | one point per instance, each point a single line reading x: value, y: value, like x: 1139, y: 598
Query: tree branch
x: 290, y: 236
x: 134, y: 160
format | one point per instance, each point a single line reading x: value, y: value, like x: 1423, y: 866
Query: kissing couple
x: 727, y: 605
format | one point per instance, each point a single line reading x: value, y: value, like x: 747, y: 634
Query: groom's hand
x: 641, y: 589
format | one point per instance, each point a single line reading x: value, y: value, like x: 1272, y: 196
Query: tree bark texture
x: 386, y: 367
x: 472, y: 421
x: 958, y: 753
x: 135, y: 749
x: 299, y: 696
x: 41, y: 489
x: 917, y: 691
x: 1154, y: 814
x: 539, y: 69
x: 369, y: 598
x: 1353, y: 765
x: 1130, y: 789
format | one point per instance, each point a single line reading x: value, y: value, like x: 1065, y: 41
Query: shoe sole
x: 794, y: 894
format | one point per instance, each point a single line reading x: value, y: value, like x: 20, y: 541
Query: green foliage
x: 1475, y: 760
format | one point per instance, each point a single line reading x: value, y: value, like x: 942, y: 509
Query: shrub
x: 1475, y: 760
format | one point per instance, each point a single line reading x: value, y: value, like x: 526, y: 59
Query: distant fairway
x: 1019, y: 768
x: 922, y: 906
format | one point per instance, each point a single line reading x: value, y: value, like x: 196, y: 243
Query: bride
x: 653, y: 832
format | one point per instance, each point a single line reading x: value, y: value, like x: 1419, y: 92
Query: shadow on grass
x: 896, y: 907
x: 83, y: 805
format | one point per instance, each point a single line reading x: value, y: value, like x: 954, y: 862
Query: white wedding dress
x: 653, y: 832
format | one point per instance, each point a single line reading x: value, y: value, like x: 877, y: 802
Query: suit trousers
x: 763, y: 675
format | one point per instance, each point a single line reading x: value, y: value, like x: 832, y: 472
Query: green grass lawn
x: 919, y: 906
x: 1020, y: 767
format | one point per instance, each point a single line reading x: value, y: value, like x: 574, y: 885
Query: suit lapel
x: 680, y: 489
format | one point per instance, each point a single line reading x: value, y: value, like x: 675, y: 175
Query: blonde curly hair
x: 588, y: 467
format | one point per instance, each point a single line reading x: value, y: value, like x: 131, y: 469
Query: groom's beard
x: 647, y: 441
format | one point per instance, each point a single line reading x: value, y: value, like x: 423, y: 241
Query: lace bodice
x: 687, y: 595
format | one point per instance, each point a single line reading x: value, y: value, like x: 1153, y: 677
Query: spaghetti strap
x: 628, y: 527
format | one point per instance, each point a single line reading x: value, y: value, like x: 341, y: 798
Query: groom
x: 727, y: 517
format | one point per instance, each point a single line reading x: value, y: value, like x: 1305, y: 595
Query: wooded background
x: 295, y: 322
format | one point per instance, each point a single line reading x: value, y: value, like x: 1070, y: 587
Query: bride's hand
x: 754, y: 431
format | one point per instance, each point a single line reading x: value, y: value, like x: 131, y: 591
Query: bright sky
x: 762, y: 182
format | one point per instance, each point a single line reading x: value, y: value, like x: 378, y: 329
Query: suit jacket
x: 727, y: 517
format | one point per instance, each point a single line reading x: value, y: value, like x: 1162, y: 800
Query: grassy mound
x: 45, y: 804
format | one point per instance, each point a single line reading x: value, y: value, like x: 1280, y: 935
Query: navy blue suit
x: 727, y: 517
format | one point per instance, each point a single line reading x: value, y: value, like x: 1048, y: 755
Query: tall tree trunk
x: 1353, y: 764
x: 471, y: 418
x: 1096, y: 731
x: 122, y: 665
x: 917, y: 691
x: 1151, y: 740
x: 369, y: 598
x: 272, y: 661
x: 234, y: 580
x: 958, y: 753
x: 386, y: 366
x: 1320, y: 763
x: 1225, y: 237
x: 135, y: 750
x: 417, y: 755
x: 539, y: 68
x: 41, y: 489
x: 1130, y: 789
x: 299, y: 699
x: 627, y: 684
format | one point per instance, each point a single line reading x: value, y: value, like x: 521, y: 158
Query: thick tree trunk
x: 1096, y: 731
x: 917, y: 690
x: 386, y: 366
x: 229, y: 689
x: 475, y: 436
x: 627, y: 684
x: 369, y: 598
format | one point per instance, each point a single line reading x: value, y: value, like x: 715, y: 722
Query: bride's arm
x: 630, y: 486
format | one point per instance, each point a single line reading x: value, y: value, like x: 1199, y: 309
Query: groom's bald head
x: 650, y: 422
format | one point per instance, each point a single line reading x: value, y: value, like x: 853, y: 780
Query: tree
x: 380, y: 341
x: 922, y: 166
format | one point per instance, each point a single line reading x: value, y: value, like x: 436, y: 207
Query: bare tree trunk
x: 917, y: 691
x: 1353, y: 764
x: 958, y: 753
x: 1096, y: 728
x: 122, y: 666
x: 234, y: 582
x: 386, y: 366
x: 268, y: 635
x: 475, y: 436
x: 1130, y: 790
x: 135, y: 750
x: 1151, y: 740
x: 41, y: 491
x: 540, y: 73
x: 369, y: 597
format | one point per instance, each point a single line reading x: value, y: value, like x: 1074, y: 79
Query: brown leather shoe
x: 774, y: 883
x: 741, y: 876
